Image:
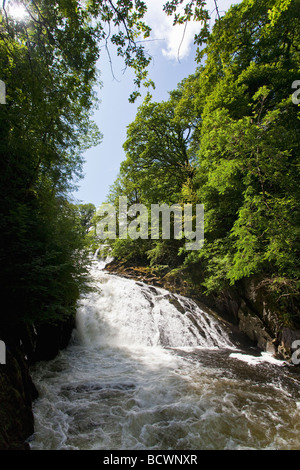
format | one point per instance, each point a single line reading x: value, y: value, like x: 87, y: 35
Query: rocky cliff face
x: 24, y: 346
x: 16, y: 394
x: 259, y: 315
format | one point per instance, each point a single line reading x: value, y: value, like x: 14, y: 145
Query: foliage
x: 48, y: 62
x: 85, y: 213
x: 238, y: 152
x: 227, y: 137
x: 249, y: 153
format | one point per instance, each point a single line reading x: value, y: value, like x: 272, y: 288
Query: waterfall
x: 149, y: 369
x: 130, y: 313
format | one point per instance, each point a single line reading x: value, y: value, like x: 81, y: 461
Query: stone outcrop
x: 258, y: 316
x: 289, y: 344
x: 254, y: 328
x: 261, y: 315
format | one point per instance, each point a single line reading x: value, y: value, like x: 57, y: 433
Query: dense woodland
x: 228, y: 138
x: 48, y: 63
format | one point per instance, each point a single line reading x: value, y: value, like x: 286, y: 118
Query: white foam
x: 254, y: 360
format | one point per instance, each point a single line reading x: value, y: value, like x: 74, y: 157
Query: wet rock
x: 254, y: 328
x: 16, y: 394
x: 52, y: 337
x: 25, y: 345
x: 177, y: 304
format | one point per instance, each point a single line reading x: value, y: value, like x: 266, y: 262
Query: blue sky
x: 115, y: 112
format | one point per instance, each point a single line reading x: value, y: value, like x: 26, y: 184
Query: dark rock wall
x: 259, y: 317
x: 25, y: 345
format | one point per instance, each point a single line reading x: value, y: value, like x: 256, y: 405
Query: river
x: 150, y: 370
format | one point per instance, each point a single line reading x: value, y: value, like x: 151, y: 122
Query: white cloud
x: 172, y: 40
x: 175, y: 42
x: 180, y: 40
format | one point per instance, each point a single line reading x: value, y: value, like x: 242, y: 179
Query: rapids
x: 147, y: 369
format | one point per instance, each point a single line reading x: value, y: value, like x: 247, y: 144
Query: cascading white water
x: 148, y: 369
x: 131, y: 314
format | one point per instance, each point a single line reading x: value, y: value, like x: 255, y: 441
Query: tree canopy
x: 48, y: 63
x: 228, y: 138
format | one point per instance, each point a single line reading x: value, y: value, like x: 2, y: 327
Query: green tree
x: 240, y: 135
x: 48, y: 63
x: 248, y: 167
x: 86, y: 213
x: 157, y: 159
x: 158, y: 168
